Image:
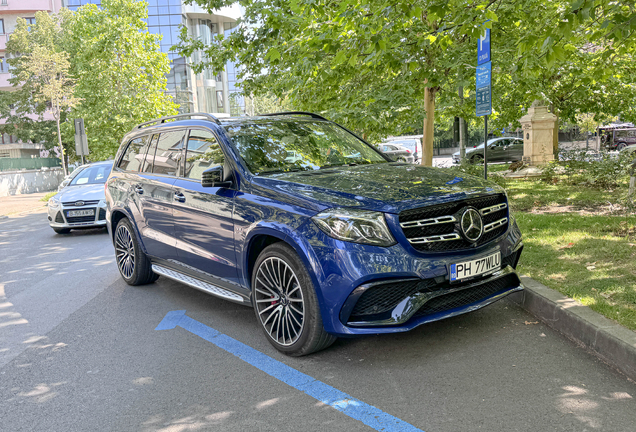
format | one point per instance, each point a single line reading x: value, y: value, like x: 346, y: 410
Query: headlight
x: 357, y: 226
x: 53, y: 203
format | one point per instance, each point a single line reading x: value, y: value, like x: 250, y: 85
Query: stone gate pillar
x: 538, y: 135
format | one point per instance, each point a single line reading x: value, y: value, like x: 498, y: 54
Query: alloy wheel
x: 125, y: 251
x: 279, y: 301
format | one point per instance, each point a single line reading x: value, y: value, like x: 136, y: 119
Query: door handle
x: 178, y: 196
x: 139, y: 189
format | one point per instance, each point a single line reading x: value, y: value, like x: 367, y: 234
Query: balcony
x: 19, y: 6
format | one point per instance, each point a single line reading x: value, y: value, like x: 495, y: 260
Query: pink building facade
x: 10, y: 11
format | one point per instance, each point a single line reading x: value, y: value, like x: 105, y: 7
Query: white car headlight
x: 357, y: 226
x: 53, y: 203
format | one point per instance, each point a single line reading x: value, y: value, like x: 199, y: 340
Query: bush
x: 578, y: 167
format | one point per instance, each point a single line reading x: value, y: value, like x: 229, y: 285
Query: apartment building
x: 10, y: 11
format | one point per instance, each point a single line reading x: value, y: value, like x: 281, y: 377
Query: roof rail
x: 176, y: 117
x: 312, y: 115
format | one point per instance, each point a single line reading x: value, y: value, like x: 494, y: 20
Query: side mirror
x: 213, y: 177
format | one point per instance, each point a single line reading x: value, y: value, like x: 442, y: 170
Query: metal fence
x: 16, y: 164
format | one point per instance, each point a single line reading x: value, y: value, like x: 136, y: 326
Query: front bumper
x: 58, y: 217
x: 412, y: 288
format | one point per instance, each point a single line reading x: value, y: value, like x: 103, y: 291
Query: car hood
x: 384, y: 187
x: 88, y: 192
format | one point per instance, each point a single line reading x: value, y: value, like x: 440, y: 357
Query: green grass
x: 587, y: 255
x: 528, y: 195
x: 48, y: 196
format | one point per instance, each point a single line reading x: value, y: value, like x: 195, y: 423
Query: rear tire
x: 401, y: 159
x: 285, y: 302
x: 620, y: 146
x: 477, y: 159
x: 62, y: 230
x: 133, y: 264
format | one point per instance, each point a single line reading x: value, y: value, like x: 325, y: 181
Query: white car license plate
x: 475, y: 267
x: 75, y: 213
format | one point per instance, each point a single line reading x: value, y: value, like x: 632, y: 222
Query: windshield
x: 92, y: 175
x: 282, y: 146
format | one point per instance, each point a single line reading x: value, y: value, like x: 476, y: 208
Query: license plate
x: 75, y: 213
x: 475, y: 267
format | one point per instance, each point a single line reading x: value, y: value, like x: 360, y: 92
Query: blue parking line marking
x: 354, y: 408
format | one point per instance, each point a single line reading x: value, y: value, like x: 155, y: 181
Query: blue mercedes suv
x: 310, y: 225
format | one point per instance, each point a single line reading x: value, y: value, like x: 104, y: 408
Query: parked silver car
x: 397, y: 152
x: 413, y: 144
x: 81, y: 204
x: 499, y: 150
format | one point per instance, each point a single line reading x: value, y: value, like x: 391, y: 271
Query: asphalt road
x: 79, y: 352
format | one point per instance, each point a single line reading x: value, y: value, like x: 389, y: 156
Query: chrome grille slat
x: 72, y: 203
x: 429, y: 221
x: 492, y: 209
x: 436, y: 238
x: 495, y: 224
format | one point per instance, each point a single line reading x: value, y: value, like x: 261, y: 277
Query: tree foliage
x: 118, y: 69
x: 367, y: 63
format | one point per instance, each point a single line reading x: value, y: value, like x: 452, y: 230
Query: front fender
x: 290, y: 236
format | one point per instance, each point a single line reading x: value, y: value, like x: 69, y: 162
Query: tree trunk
x: 555, y: 138
x: 429, y: 121
x: 59, y: 141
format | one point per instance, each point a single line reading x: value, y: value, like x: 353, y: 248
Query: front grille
x: 72, y: 203
x: 468, y: 296
x: 102, y: 214
x: 59, y: 218
x: 81, y: 219
x: 385, y: 297
x: 436, y: 228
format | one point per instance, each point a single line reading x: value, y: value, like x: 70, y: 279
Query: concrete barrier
x: 32, y: 181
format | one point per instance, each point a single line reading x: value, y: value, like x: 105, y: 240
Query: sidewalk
x: 13, y: 204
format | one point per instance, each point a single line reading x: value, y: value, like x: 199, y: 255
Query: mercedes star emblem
x: 472, y: 225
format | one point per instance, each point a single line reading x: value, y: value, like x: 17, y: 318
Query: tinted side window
x: 167, y: 154
x: 203, y: 152
x: 135, y: 154
x: 147, y: 166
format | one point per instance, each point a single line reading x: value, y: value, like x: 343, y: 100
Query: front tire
x: 620, y: 146
x: 133, y: 264
x: 285, y: 302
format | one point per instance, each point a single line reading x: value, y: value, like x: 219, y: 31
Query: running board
x: 197, y: 284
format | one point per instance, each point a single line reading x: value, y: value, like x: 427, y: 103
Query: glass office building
x: 204, y: 92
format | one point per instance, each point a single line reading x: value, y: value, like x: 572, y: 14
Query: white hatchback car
x: 81, y: 203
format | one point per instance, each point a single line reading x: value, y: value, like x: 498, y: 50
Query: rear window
x: 409, y: 144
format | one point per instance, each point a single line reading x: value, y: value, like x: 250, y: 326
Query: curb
x: 613, y: 343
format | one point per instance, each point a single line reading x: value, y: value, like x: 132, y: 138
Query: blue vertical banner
x: 483, y: 47
x: 483, y: 106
